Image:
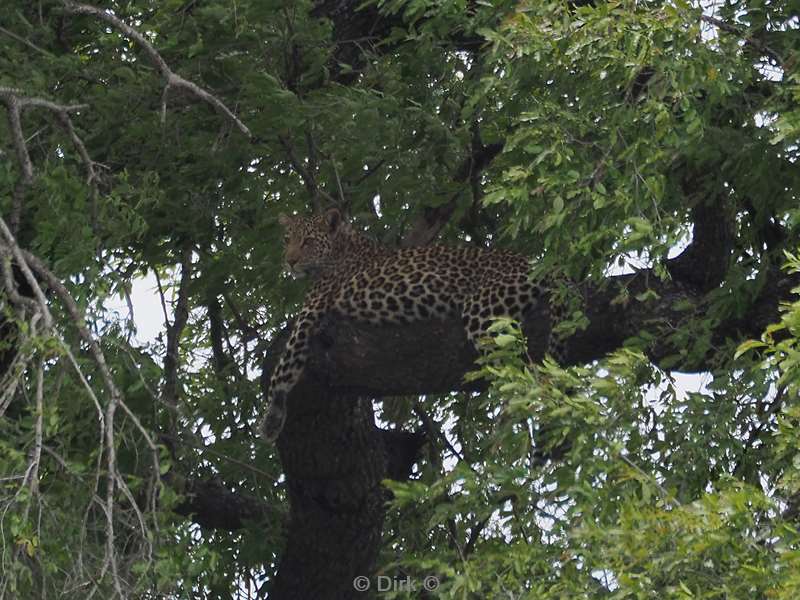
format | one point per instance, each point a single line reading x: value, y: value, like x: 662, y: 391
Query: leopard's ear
x: 284, y: 220
x: 333, y: 218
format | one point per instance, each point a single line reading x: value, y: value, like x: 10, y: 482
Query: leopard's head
x: 309, y: 243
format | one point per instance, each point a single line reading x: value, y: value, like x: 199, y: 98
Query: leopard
x: 357, y: 277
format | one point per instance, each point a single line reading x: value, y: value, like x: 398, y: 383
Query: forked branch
x: 16, y: 101
x: 172, y: 79
x: 28, y: 264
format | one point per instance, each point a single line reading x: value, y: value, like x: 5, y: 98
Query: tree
x: 164, y: 138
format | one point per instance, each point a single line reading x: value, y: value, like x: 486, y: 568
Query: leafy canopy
x: 617, y: 120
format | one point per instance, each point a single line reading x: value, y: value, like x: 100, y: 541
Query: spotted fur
x: 360, y: 278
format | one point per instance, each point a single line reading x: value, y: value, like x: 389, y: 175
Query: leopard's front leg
x: 287, y: 373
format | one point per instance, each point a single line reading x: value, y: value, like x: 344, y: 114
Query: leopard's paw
x: 272, y: 423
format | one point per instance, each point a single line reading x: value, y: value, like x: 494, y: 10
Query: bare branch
x: 11, y: 244
x: 342, y: 199
x: 15, y: 102
x: 169, y: 392
x: 307, y: 176
x: 106, y: 418
x: 91, y: 172
x: 27, y: 260
x: 27, y: 42
x: 36, y: 452
x: 172, y: 79
x: 369, y: 172
x: 14, y: 105
x: 114, y: 480
x: 36, y: 102
x: 23, y: 157
x: 750, y: 40
x: 24, y: 352
x: 10, y: 284
x: 75, y: 313
x: 433, y: 220
x: 111, y: 480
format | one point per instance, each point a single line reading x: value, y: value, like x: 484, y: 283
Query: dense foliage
x: 592, y: 137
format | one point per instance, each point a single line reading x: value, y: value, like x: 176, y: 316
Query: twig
x: 433, y: 219
x: 10, y: 285
x: 16, y: 369
x: 754, y: 42
x: 11, y: 244
x: 433, y: 427
x: 27, y: 42
x: 342, y: 200
x: 131, y: 324
x: 15, y: 102
x: 111, y: 480
x: 369, y: 172
x: 210, y: 449
x: 24, y: 352
x: 305, y: 174
x: 647, y: 476
x: 27, y: 260
x: 161, y: 297
x: 12, y: 378
x: 172, y: 79
x: 116, y: 400
x: 74, y: 311
x: 764, y: 416
x: 248, y: 331
x: 91, y: 173
x: 38, y: 431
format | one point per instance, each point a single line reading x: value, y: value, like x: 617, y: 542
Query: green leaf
x: 747, y: 346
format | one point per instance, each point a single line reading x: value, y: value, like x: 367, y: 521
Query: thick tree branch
x: 213, y: 505
x: 336, y: 499
x: 14, y: 104
x: 172, y: 80
x: 169, y: 391
x: 333, y: 454
x: 216, y: 331
x: 432, y: 356
x: 706, y: 260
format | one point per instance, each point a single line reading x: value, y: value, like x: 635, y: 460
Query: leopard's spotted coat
x: 360, y: 278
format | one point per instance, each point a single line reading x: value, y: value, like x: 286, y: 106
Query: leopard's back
x: 359, y: 278
x: 434, y: 281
